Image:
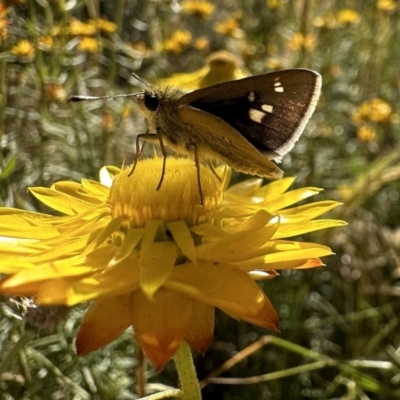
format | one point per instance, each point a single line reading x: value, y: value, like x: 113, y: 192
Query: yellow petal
x: 248, y: 187
x: 201, y: 327
x: 55, y: 291
x: 131, y: 240
x: 219, y: 285
x: 308, y: 211
x: 259, y: 263
x: 94, y: 191
x: 266, y: 317
x: 260, y: 219
x: 209, y: 231
x: 236, y: 247
x: 42, y: 273
x: 101, y: 235
x: 25, y: 225
x: 156, y: 265
x: 277, y: 187
x: 119, y: 279
x: 301, y: 254
x: 160, y: 324
x: 24, y: 289
x: 290, y: 230
x: 104, y: 321
x: 275, y: 203
x: 73, y: 246
x: 183, y: 238
x: 59, y: 201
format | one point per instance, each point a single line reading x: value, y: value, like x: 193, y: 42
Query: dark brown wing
x: 270, y: 111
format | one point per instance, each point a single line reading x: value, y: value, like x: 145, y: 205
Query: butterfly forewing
x: 270, y: 110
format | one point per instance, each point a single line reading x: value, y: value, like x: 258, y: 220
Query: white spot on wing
x: 267, y: 108
x: 278, y: 86
x: 251, y: 96
x: 256, y: 115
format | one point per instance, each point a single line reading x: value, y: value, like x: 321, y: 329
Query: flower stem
x: 187, y: 373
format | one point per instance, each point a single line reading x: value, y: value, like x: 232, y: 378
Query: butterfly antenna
x: 86, y: 98
x: 143, y: 82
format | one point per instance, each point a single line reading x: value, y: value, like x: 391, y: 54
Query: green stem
x: 187, y: 373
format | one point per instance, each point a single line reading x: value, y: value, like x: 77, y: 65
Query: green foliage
x: 339, y: 324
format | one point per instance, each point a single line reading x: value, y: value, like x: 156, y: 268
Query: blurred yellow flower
x: 140, y: 47
x: 104, y: 25
x: 229, y: 27
x: 45, y: 42
x: 198, y: 8
x: 178, y: 42
x: 89, y: 44
x: 366, y: 133
x: 274, y: 64
x: 275, y: 4
x: 386, y: 5
x: 159, y: 260
x: 348, y: 16
x: 299, y: 41
x: 55, y: 92
x: 376, y: 110
x: 201, y: 44
x: 78, y: 28
x: 24, y: 48
x: 221, y: 66
x: 327, y: 21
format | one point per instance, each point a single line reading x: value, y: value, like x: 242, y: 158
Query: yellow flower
x: 275, y: 4
x: 366, y: 133
x: 299, y: 41
x: 55, y: 92
x: 376, y: 110
x: 199, y: 8
x: 46, y: 42
x: 159, y: 260
x: 141, y: 48
x: 347, y: 16
x: 78, y: 28
x: 220, y: 66
x: 274, y: 64
x: 386, y: 5
x: 23, y: 48
x: 229, y: 27
x: 104, y: 25
x: 89, y: 44
x: 201, y: 44
x: 327, y: 21
x: 178, y: 42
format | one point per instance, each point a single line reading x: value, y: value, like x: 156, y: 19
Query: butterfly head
x: 148, y: 102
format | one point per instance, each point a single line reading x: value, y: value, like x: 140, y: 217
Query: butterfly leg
x: 164, y: 154
x: 139, y: 150
x: 210, y: 164
x: 193, y: 148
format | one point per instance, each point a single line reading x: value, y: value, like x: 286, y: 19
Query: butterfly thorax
x: 159, y: 106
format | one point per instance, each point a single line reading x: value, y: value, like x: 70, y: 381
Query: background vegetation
x: 343, y: 318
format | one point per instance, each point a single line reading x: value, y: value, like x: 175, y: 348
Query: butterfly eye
x: 151, y: 102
